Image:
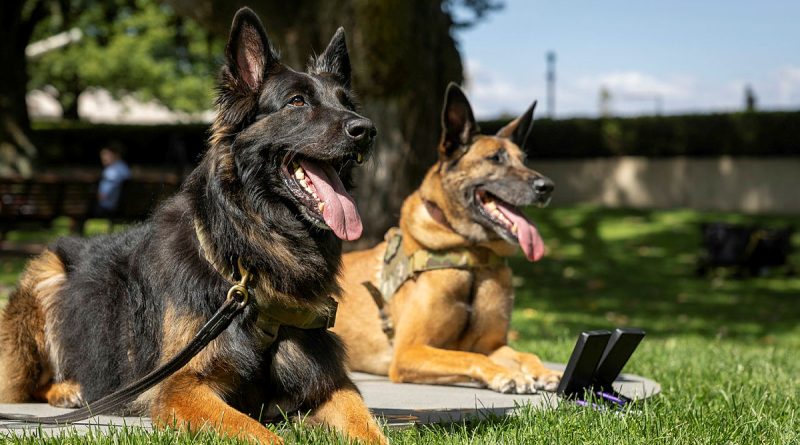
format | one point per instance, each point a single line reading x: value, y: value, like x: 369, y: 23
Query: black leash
x: 236, y: 300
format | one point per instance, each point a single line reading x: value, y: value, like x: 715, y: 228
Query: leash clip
x: 238, y: 292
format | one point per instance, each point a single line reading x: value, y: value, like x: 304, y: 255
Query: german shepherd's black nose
x: 543, y: 188
x: 360, y: 130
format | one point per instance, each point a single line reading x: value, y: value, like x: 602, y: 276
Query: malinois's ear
x: 519, y: 130
x: 334, y: 60
x: 458, y: 122
x: 248, y: 53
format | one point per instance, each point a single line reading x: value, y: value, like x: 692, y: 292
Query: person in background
x: 115, y: 173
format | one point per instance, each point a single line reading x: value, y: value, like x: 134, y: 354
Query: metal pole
x: 551, y: 84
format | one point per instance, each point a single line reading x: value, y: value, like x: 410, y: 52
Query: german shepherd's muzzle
x: 91, y: 315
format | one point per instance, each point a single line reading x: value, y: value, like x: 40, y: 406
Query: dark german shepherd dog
x: 92, y: 315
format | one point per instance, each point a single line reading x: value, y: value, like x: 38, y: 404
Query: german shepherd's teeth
x: 299, y: 173
x: 491, y: 205
x: 321, y: 206
x: 514, y: 229
x: 307, y: 187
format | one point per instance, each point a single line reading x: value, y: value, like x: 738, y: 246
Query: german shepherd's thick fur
x: 90, y: 315
x: 451, y: 325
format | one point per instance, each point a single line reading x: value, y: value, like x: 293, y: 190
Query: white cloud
x: 636, y: 83
x: 492, y: 94
x: 633, y: 92
x: 788, y: 86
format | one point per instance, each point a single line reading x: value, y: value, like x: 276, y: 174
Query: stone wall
x: 751, y: 185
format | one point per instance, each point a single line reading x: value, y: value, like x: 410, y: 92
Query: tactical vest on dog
x: 398, y: 267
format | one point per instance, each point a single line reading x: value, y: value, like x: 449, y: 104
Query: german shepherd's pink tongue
x: 339, y: 213
x: 527, y: 235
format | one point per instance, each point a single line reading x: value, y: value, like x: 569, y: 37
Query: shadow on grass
x: 614, y: 267
x: 608, y: 268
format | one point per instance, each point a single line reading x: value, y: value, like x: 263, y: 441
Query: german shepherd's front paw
x: 512, y: 382
x: 62, y: 394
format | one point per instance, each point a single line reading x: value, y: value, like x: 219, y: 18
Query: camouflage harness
x: 397, y: 268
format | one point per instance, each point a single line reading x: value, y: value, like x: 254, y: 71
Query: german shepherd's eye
x: 297, y: 101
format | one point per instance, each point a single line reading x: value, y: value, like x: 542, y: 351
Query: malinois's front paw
x: 548, y: 380
x: 512, y: 383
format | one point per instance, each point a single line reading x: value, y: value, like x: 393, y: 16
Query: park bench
x: 39, y: 201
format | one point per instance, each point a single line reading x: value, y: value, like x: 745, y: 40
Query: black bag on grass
x: 747, y: 248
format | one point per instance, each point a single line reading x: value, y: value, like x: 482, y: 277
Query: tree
x: 403, y: 56
x: 18, y: 19
x: 137, y: 47
x: 129, y: 47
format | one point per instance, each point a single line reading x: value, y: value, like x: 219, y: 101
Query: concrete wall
x: 751, y: 185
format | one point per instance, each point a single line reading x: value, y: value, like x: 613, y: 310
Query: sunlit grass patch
x: 724, y: 349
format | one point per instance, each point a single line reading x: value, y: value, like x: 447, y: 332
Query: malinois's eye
x: 497, y: 157
x: 297, y: 101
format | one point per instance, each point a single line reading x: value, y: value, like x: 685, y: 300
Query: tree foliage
x: 477, y: 10
x: 129, y: 47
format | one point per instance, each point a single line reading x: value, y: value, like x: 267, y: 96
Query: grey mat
x: 398, y: 404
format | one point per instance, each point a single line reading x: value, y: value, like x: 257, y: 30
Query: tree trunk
x: 70, y: 107
x: 16, y: 150
x: 403, y: 56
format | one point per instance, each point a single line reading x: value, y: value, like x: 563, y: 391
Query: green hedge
x: 736, y: 134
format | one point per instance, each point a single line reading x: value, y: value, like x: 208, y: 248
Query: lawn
x: 725, y: 350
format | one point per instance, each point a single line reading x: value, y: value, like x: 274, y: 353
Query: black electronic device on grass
x: 596, y: 361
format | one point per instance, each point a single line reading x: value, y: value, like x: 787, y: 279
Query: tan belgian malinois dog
x: 432, y: 303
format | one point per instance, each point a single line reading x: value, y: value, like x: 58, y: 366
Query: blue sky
x: 696, y: 55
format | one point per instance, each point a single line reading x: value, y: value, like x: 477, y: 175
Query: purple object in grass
x: 613, y: 398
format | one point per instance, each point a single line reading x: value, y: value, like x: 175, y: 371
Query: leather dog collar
x: 271, y: 316
x: 436, y: 213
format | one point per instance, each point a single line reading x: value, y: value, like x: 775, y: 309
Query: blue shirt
x: 111, y: 184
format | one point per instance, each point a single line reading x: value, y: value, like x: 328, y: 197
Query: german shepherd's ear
x: 248, y: 53
x: 458, y: 122
x: 519, y: 130
x: 334, y: 60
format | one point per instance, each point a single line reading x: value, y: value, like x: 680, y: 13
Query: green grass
x: 726, y: 351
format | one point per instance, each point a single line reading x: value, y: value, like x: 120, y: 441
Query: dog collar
x: 271, y: 316
x: 437, y: 213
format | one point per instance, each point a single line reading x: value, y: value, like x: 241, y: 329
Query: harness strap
x: 386, y: 323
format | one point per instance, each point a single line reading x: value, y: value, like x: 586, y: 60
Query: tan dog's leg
x: 193, y: 404
x: 426, y: 364
x: 345, y: 412
x: 530, y: 364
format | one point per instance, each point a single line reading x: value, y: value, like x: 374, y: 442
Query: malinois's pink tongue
x: 527, y: 235
x: 339, y: 213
